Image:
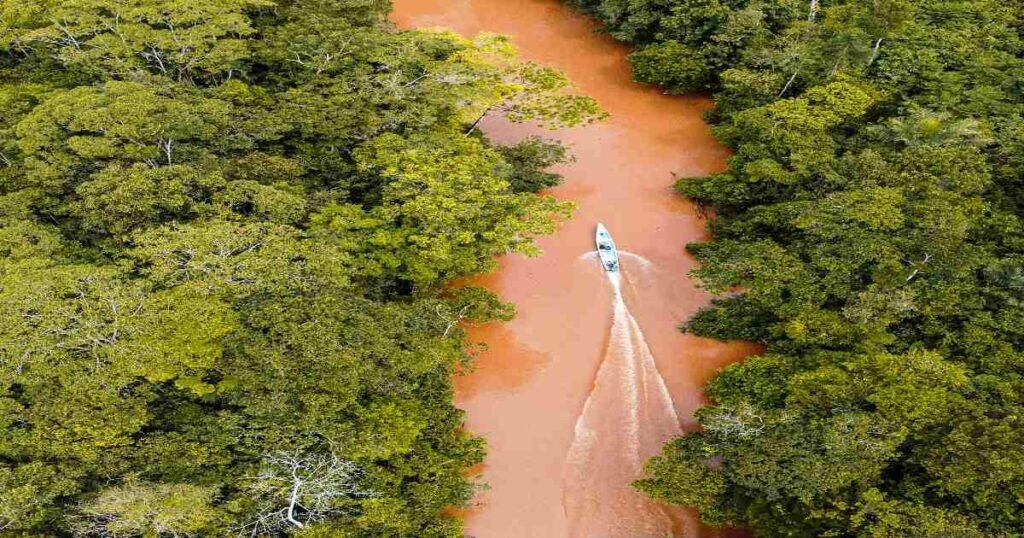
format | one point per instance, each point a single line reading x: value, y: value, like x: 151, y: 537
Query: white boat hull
x: 606, y: 249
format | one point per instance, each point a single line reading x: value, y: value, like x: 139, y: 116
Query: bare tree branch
x: 299, y: 488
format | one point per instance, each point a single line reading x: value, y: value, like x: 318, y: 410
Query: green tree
x: 228, y: 234
x: 671, y: 64
x: 448, y: 210
x: 182, y: 40
x: 141, y: 509
x: 530, y: 160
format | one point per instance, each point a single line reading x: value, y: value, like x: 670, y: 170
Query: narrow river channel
x: 592, y: 376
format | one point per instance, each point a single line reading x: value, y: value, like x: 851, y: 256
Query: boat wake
x: 643, y: 263
x: 636, y: 262
x: 627, y: 417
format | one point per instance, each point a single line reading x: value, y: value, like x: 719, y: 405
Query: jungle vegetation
x: 869, y: 235
x: 227, y: 230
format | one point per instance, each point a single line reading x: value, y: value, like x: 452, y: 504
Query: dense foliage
x: 869, y: 234
x: 226, y: 230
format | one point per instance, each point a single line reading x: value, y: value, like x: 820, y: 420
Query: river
x: 589, y: 380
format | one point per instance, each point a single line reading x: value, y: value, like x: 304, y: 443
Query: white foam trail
x: 637, y: 265
x: 627, y: 417
x: 644, y: 263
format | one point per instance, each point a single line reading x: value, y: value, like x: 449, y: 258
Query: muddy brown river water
x: 592, y: 376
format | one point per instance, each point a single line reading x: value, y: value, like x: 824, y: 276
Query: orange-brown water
x: 587, y: 382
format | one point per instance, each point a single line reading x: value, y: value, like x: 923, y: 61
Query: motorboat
x: 606, y: 249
